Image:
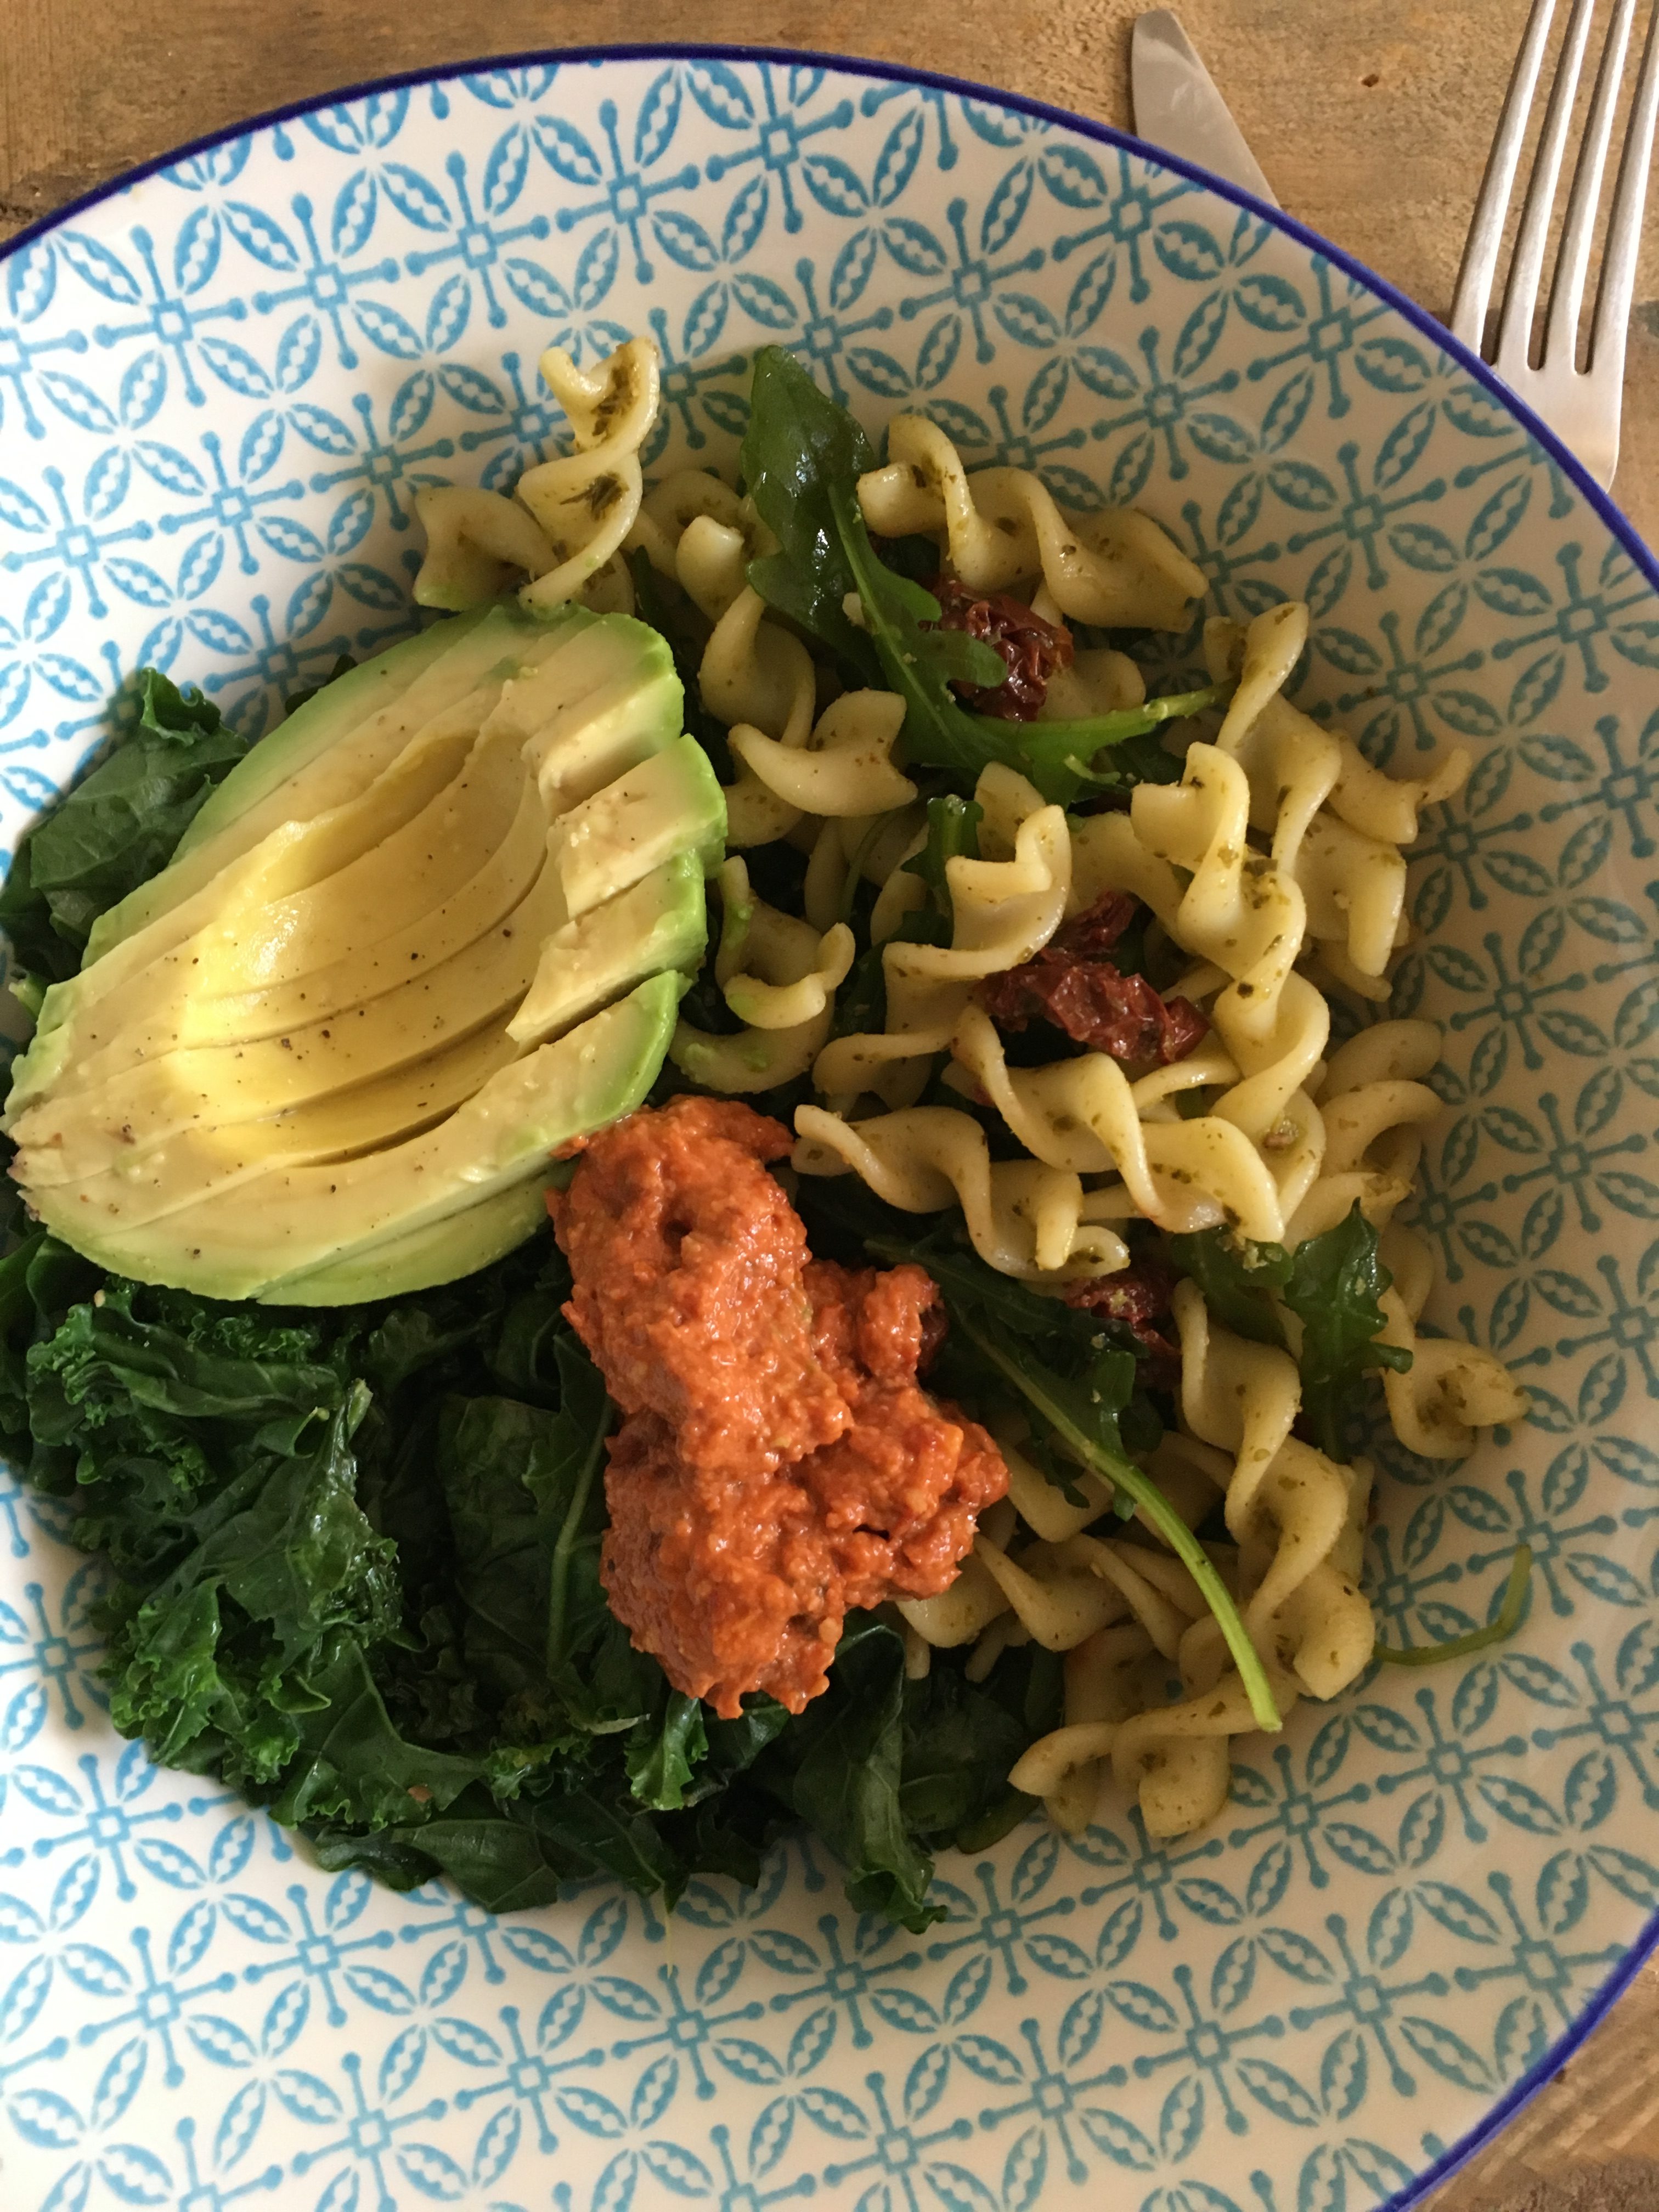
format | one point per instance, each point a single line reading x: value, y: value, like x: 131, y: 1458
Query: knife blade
x: 1177, y: 106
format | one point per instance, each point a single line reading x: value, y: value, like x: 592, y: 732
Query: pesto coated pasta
x: 1123, y: 1043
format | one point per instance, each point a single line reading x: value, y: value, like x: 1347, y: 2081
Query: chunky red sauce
x: 778, y: 1464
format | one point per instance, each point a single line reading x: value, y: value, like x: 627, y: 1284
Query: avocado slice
x: 251, y: 1240
x: 327, y: 752
x: 164, y: 1013
x: 668, y: 804
x: 441, y: 1253
x: 301, y: 1081
x: 337, y: 1054
x: 292, y: 858
x: 610, y: 699
x: 660, y: 923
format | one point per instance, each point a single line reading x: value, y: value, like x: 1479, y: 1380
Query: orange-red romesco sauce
x: 778, y: 1464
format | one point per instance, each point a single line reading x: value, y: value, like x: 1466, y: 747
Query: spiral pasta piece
x: 1042, y: 1505
x: 695, y: 504
x: 1243, y: 911
x: 1002, y: 526
x: 1057, y: 1605
x: 1451, y: 1389
x: 1003, y: 911
x: 962, y: 1613
x: 1103, y: 1687
x: 755, y: 675
x: 845, y: 767
x: 1023, y: 1219
x: 477, y: 541
x: 1285, y: 1499
x: 1080, y: 1115
x: 587, y: 502
x: 1373, y: 1106
x: 1175, y: 1759
x: 779, y: 976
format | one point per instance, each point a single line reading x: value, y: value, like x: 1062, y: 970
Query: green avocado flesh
x: 433, y: 928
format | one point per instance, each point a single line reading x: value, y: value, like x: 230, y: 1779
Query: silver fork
x: 1580, y: 405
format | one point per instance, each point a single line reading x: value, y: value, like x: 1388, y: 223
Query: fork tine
x: 1577, y: 232
x: 1527, y: 270
x: 1618, y: 286
x: 1486, y: 237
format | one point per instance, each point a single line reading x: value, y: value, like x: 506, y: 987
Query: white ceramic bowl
x: 222, y: 381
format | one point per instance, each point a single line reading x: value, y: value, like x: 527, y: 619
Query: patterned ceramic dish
x: 221, y: 382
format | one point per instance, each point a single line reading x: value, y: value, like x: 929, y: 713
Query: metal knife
x: 1177, y: 106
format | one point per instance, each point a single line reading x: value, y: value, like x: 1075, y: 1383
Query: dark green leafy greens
x: 117, y: 826
x: 354, y: 1564
x: 798, y: 445
x: 1335, y: 1282
x: 1332, y: 1284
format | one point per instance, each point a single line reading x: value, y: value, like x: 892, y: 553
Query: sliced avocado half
x: 328, y: 1060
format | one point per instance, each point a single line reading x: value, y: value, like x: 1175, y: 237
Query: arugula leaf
x: 802, y: 458
x: 861, y: 1001
x: 1333, y: 1286
x: 1075, y: 1421
x: 1332, y: 1283
x: 799, y: 443
x: 116, y: 829
x: 921, y: 662
x: 1511, y: 1610
x: 1238, y: 1280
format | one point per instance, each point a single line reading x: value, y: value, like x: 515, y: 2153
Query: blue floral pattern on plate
x: 219, y: 387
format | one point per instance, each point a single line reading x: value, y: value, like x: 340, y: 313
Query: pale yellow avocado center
x: 433, y: 928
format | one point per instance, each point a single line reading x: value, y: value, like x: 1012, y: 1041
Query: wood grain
x: 1371, y: 120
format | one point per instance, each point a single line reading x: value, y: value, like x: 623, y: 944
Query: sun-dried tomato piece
x: 1032, y: 648
x: 1137, y: 1298
x: 1092, y: 935
x: 1071, y: 984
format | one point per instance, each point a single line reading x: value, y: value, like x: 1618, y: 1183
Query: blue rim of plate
x: 1573, y: 2040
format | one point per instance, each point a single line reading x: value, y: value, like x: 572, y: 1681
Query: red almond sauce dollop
x: 1031, y: 648
x: 778, y: 1464
x: 1072, y: 983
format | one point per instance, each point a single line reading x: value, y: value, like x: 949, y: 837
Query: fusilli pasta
x: 1270, y: 867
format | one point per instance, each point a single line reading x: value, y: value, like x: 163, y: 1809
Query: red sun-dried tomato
x: 1137, y: 1298
x: 1031, y: 648
x: 1071, y: 983
x: 1092, y: 934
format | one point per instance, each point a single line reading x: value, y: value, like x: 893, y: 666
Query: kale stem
x: 1498, y: 1630
x: 1125, y: 1475
x: 569, y: 1529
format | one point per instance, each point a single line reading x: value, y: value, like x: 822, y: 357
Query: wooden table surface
x: 1371, y: 120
